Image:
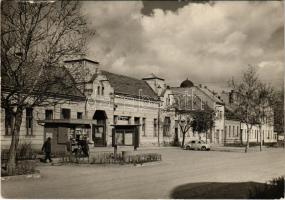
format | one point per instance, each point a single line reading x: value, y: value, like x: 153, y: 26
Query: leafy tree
x: 203, y: 120
x: 35, y: 37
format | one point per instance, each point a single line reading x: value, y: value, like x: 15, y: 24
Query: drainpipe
x: 158, y: 124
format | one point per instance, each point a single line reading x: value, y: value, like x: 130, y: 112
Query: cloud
x: 206, y: 43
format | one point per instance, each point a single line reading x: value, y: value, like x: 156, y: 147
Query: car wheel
x: 203, y: 148
x: 187, y: 148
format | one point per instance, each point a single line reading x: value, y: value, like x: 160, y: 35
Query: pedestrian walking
x: 47, y: 149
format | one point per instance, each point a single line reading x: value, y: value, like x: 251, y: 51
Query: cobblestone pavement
x: 155, y: 180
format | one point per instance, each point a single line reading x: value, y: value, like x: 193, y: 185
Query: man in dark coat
x: 47, y: 149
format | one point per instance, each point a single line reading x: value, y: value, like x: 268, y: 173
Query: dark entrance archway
x: 99, y: 130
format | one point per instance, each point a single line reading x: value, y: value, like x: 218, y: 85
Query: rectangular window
x: 143, y: 126
x: 229, y: 131
x: 65, y: 113
x: 226, y: 131
x: 115, y: 119
x: 79, y: 115
x: 29, y: 121
x: 102, y: 90
x: 98, y: 90
x: 49, y: 114
x: 237, y: 130
x: 8, y: 122
x: 233, y: 131
x: 155, y: 127
x: 166, y: 126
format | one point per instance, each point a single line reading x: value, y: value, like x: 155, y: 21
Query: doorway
x: 99, y: 130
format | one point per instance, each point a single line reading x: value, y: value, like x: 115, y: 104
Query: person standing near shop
x: 47, y: 149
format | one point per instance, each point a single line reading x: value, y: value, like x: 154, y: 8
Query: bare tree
x: 184, y: 122
x: 279, y: 111
x: 264, y: 108
x: 35, y: 37
x: 244, y: 104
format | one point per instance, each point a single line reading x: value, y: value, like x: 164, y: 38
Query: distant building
x: 200, y: 96
x: 236, y: 131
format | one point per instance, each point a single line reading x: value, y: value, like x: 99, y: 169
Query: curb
x: 36, y: 175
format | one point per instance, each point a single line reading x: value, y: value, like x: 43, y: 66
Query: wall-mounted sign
x: 125, y: 118
x: 91, y: 101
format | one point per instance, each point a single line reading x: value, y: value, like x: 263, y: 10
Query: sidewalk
x: 240, y: 149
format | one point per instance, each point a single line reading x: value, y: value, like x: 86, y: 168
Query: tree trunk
x: 247, y: 141
x: 241, y: 142
x: 11, y: 164
x: 183, y: 140
x: 260, y: 138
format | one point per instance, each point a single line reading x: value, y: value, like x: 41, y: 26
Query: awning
x: 125, y: 125
x: 68, y: 121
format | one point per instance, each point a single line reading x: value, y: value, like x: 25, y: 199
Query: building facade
x: 109, y: 103
x: 236, y: 131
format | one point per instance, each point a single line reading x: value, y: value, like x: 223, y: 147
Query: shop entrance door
x: 98, y: 135
x: 99, y: 130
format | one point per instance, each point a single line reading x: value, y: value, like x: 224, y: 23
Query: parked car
x: 198, y: 145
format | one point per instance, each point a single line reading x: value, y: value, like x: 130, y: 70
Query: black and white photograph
x: 178, y: 99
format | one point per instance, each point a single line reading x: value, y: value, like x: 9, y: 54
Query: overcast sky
x: 208, y: 43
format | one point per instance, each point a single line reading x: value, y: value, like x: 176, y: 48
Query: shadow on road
x: 216, y: 190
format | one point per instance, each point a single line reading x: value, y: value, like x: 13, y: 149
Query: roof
x: 129, y: 86
x: 230, y: 114
x: 81, y: 59
x: 68, y: 121
x: 54, y: 82
x: 211, y: 95
x: 186, y: 102
x: 152, y: 76
x: 186, y: 84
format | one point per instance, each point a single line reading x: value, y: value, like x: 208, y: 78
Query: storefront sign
x: 125, y: 118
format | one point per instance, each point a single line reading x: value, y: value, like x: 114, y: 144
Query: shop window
x: 49, y: 114
x: 79, y: 115
x: 29, y: 121
x: 8, y: 122
x: 65, y: 113
x: 124, y: 138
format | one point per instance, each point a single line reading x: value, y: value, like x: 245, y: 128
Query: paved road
x: 150, y: 181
